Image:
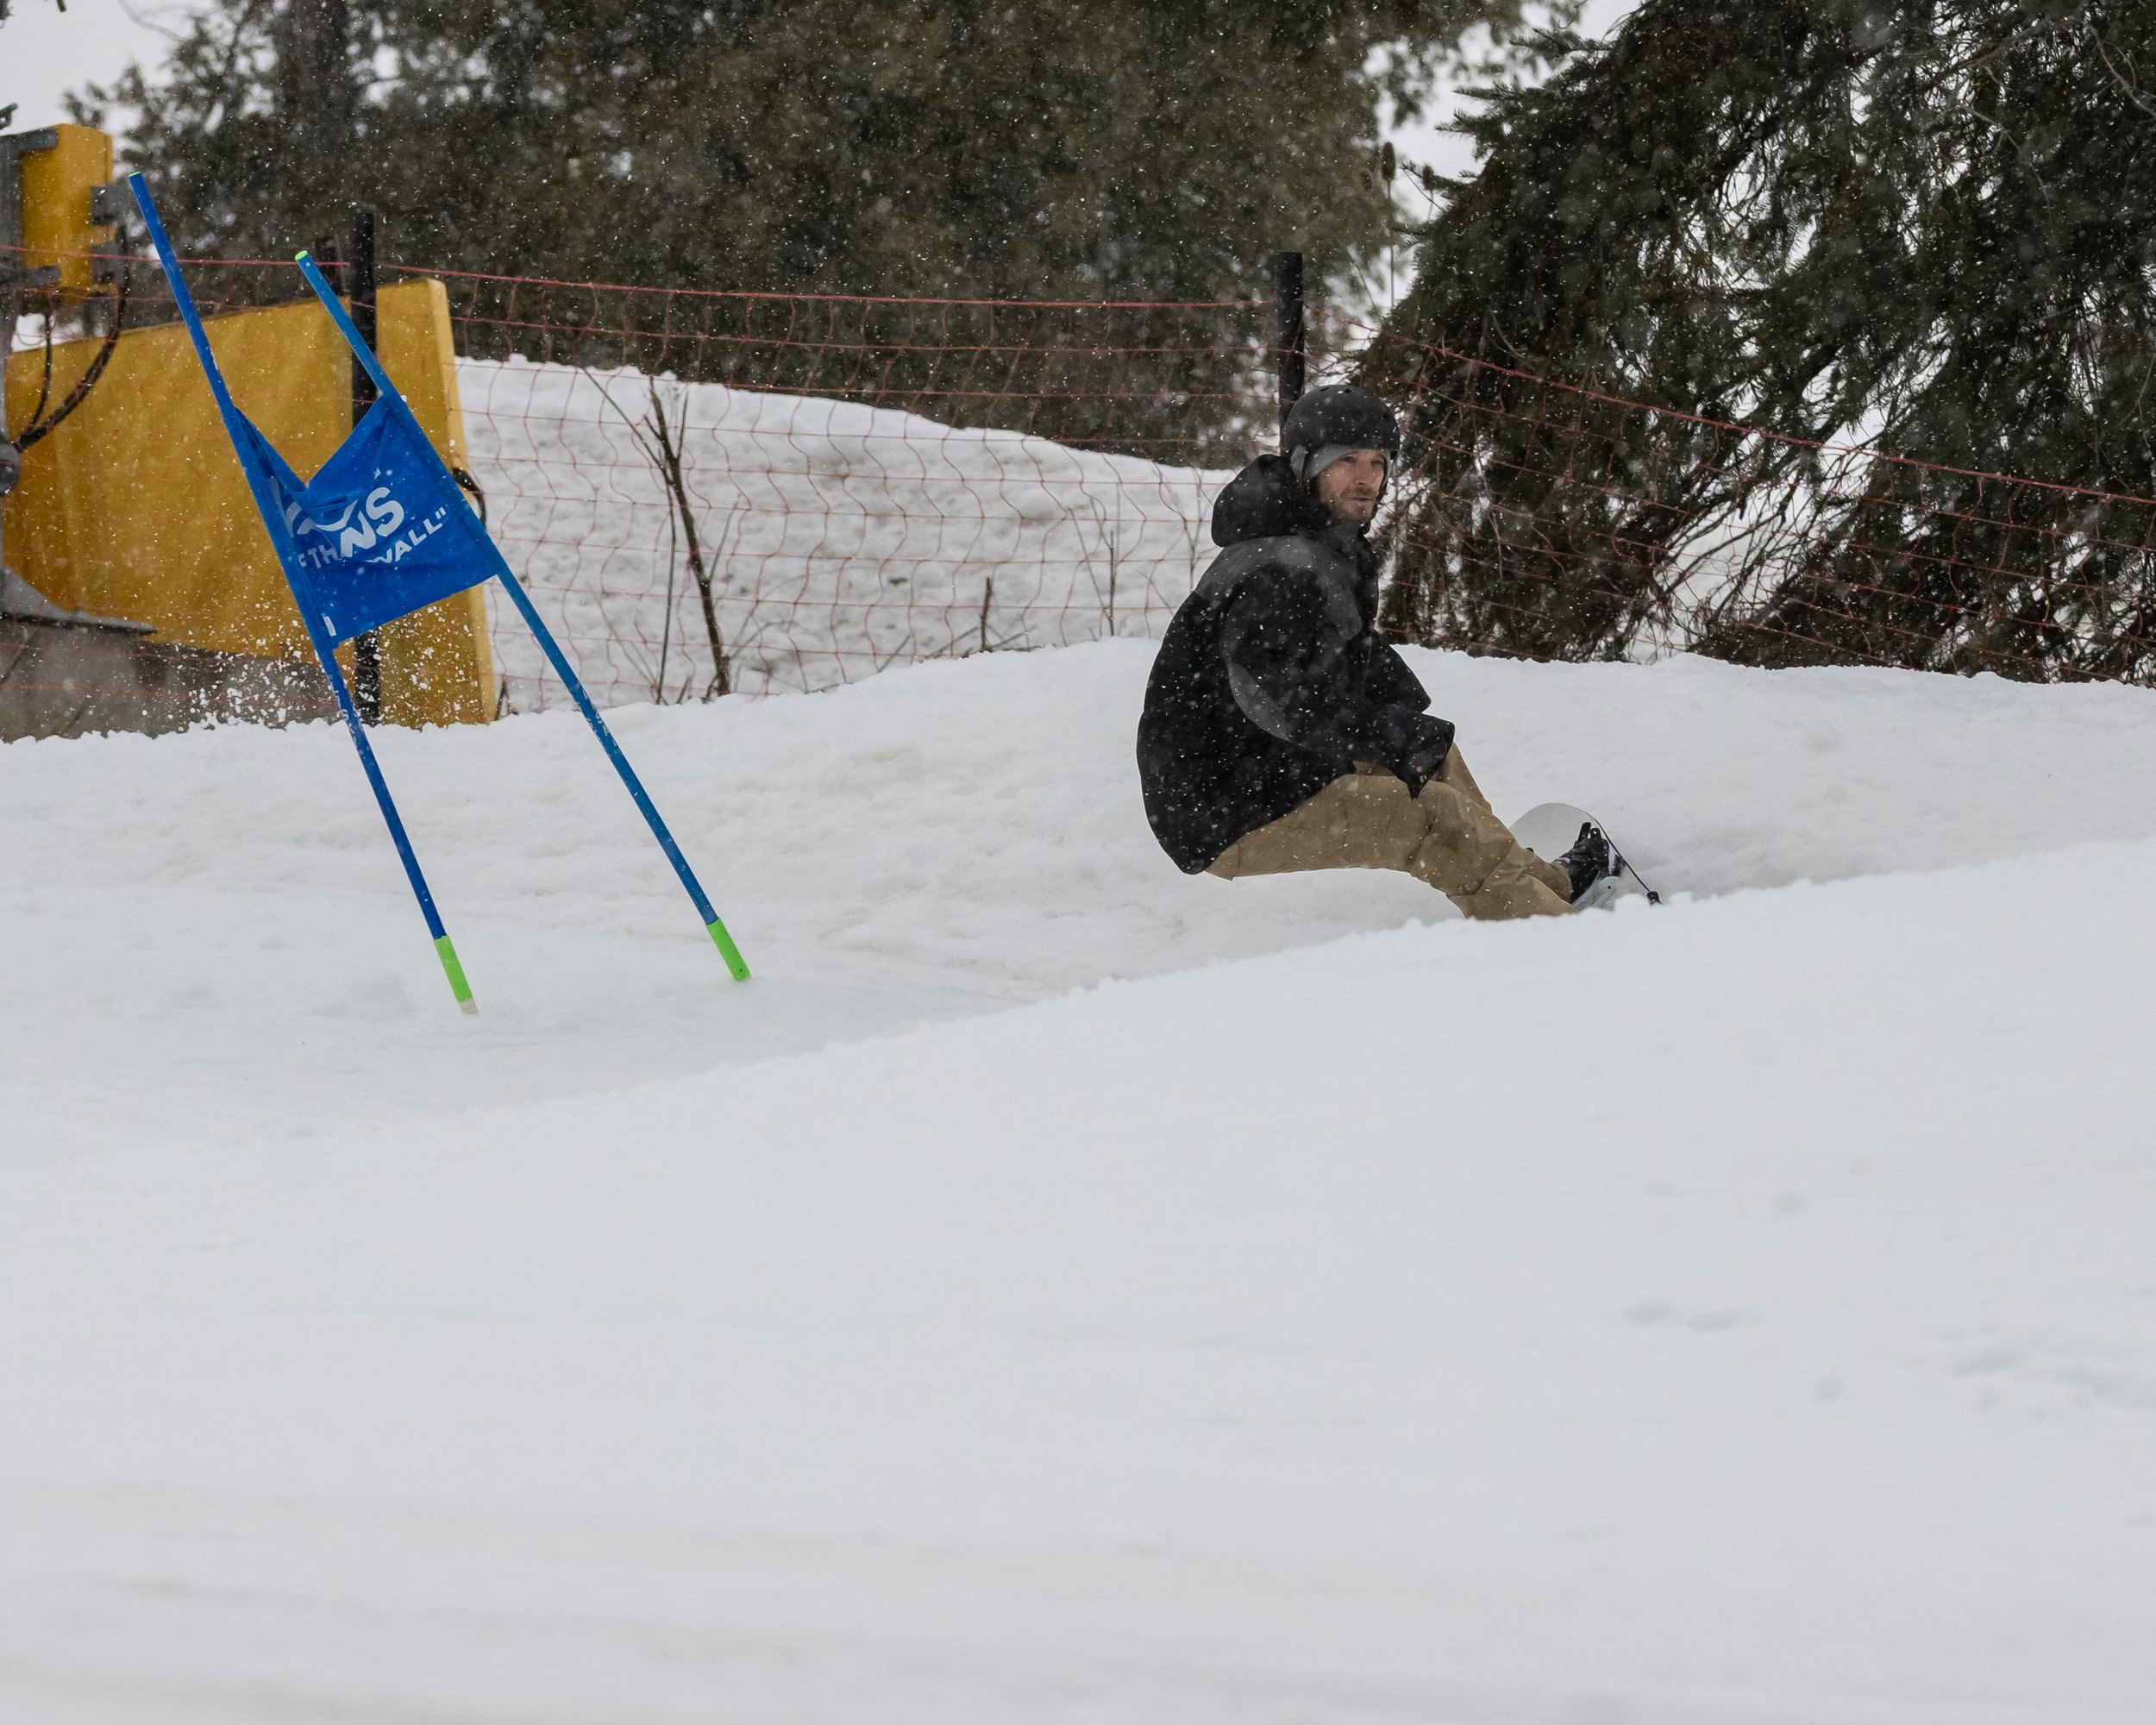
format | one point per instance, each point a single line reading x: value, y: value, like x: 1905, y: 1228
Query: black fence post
x: 1288, y: 308
x: 366, y: 649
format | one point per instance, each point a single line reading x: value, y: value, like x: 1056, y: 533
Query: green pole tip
x: 727, y: 950
x: 454, y: 972
x: 302, y: 258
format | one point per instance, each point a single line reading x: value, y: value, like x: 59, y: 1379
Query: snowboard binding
x: 1579, y: 843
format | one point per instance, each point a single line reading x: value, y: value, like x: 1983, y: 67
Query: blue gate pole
x: 265, y: 503
x: 712, y: 925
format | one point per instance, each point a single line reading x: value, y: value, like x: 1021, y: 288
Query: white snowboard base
x: 1549, y: 829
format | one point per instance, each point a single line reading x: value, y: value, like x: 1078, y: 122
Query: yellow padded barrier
x: 136, y: 507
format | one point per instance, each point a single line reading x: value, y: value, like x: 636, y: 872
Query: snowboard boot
x: 1591, y: 860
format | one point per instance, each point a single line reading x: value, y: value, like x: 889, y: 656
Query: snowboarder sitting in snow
x: 1280, y: 733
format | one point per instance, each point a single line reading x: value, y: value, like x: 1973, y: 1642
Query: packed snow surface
x: 1059, y: 1290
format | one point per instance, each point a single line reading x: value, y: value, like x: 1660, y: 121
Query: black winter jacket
x: 1272, y: 681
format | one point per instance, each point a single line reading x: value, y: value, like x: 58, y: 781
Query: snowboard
x: 1549, y: 829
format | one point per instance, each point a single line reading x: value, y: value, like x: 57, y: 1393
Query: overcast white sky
x: 45, y: 52
x: 1424, y: 141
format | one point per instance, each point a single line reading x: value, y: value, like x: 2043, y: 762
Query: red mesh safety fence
x: 717, y: 492
x: 1550, y: 521
x: 713, y: 492
x: 710, y: 492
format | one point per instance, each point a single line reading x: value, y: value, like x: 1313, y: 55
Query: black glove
x: 1411, y: 746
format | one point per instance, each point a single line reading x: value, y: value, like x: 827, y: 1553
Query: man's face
x: 1351, y: 485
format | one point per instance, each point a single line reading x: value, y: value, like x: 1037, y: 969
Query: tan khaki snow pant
x: 1447, y: 837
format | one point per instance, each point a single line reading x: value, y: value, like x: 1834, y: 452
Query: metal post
x: 1288, y: 350
x: 366, y: 649
x: 363, y: 296
x: 14, y: 278
x: 11, y: 263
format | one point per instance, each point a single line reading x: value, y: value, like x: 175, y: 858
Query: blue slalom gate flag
x: 381, y: 531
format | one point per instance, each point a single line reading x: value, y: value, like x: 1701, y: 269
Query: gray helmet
x: 1327, y: 422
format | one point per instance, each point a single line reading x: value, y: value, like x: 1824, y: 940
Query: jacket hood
x: 1264, y: 501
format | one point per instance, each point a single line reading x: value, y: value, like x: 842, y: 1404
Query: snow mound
x: 840, y: 539
x: 947, y: 839
x: 1733, y: 1313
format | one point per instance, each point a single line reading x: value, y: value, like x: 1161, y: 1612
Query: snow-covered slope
x: 1736, y: 1313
